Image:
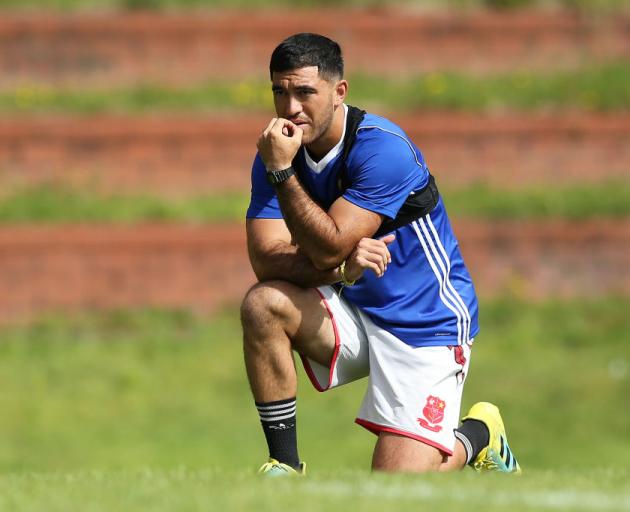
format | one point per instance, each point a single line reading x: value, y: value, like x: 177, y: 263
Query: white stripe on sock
x: 277, y: 406
x: 467, y: 446
x: 277, y: 418
x: 276, y: 413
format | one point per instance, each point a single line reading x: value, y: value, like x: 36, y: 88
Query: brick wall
x: 111, y: 50
x: 204, y: 267
x: 184, y: 155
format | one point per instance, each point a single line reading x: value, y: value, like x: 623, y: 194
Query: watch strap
x: 276, y: 177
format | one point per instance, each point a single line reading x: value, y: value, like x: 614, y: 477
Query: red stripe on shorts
x: 305, y: 362
x: 376, y: 429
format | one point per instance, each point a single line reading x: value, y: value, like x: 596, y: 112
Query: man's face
x: 306, y: 99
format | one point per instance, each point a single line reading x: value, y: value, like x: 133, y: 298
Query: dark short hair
x: 307, y: 49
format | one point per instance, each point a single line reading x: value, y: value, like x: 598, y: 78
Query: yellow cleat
x: 274, y: 468
x: 497, y: 456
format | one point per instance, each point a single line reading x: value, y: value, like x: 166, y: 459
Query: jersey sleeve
x: 383, y: 168
x: 264, y: 201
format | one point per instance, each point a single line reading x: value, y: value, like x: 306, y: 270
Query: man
x: 360, y: 273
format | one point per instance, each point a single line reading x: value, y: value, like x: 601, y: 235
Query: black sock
x: 474, y: 436
x: 278, y: 422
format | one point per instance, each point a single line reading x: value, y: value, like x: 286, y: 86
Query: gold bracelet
x: 342, y: 271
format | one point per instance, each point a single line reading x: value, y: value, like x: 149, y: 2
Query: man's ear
x: 341, y: 90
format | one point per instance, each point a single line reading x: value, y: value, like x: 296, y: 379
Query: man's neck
x: 320, y: 148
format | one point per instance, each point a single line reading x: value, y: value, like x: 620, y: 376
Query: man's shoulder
x: 377, y: 135
x: 378, y: 126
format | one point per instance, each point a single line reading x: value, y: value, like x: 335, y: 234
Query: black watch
x: 276, y: 177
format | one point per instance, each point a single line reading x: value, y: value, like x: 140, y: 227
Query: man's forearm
x: 288, y: 263
x: 311, y: 227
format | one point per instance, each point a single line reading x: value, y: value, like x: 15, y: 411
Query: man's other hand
x: 369, y: 254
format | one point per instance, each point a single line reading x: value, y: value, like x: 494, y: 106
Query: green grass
x: 54, y: 204
x: 603, y: 88
x: 608, y: 199
x: 188, y: 490
x: 58, y: 204
x: 150, y: 410
x: 128, y: 390
x: 598, y: 88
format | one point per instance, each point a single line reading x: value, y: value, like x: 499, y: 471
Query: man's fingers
x: 378, y: 247
x: 269, y: 126
x: 375, y: 262
x: 388, y: 239
x: 373, y: 255
x: 287, y: 128
x: 371, y: 265
x: 295, y: 131
x: 372, y: 244
x: 279, y: 124
x: 381, y: 260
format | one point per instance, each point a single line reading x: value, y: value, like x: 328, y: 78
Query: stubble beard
x: 318, y: 131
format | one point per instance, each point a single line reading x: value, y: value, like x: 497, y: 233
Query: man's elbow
x: 262, y: 272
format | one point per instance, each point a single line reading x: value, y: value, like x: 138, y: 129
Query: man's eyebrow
x: 301, y: 88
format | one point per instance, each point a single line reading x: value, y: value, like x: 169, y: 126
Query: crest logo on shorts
x: 433, y: 414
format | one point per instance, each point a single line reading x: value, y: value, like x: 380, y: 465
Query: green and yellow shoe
x: 274, y: 468
x: 497, y: 456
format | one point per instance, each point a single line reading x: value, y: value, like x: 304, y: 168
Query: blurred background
x: 127, y: 132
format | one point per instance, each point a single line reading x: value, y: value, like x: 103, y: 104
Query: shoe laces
x: 491, y: 462
x: 486, y: 465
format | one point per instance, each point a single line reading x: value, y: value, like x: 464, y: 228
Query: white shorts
x: 412, y: 391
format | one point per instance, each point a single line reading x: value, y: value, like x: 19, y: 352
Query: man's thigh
x: 350, y: 355
x: 396, y: 453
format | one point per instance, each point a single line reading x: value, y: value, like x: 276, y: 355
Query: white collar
x: 318, y: 167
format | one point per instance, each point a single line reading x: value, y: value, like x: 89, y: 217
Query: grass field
x: 152, y: 408
x: 58, y: 204
x: 603, y: 87
x: 334, y: 490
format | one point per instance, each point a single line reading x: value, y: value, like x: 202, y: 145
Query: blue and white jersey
x: 426, y: 297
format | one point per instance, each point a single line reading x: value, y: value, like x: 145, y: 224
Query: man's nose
x: 294, y: 107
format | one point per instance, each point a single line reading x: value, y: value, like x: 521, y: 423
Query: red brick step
x: 183, y: 154
x: 66, y: 268
x: 103, y: 51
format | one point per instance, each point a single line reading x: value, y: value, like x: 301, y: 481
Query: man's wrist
x: 342, y: 273
x: 275, y: 177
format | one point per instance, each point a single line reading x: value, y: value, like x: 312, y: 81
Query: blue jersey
x: 426, y: 296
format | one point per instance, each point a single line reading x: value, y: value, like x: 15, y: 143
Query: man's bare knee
x: 278, y: 309
x: 265, y: 304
